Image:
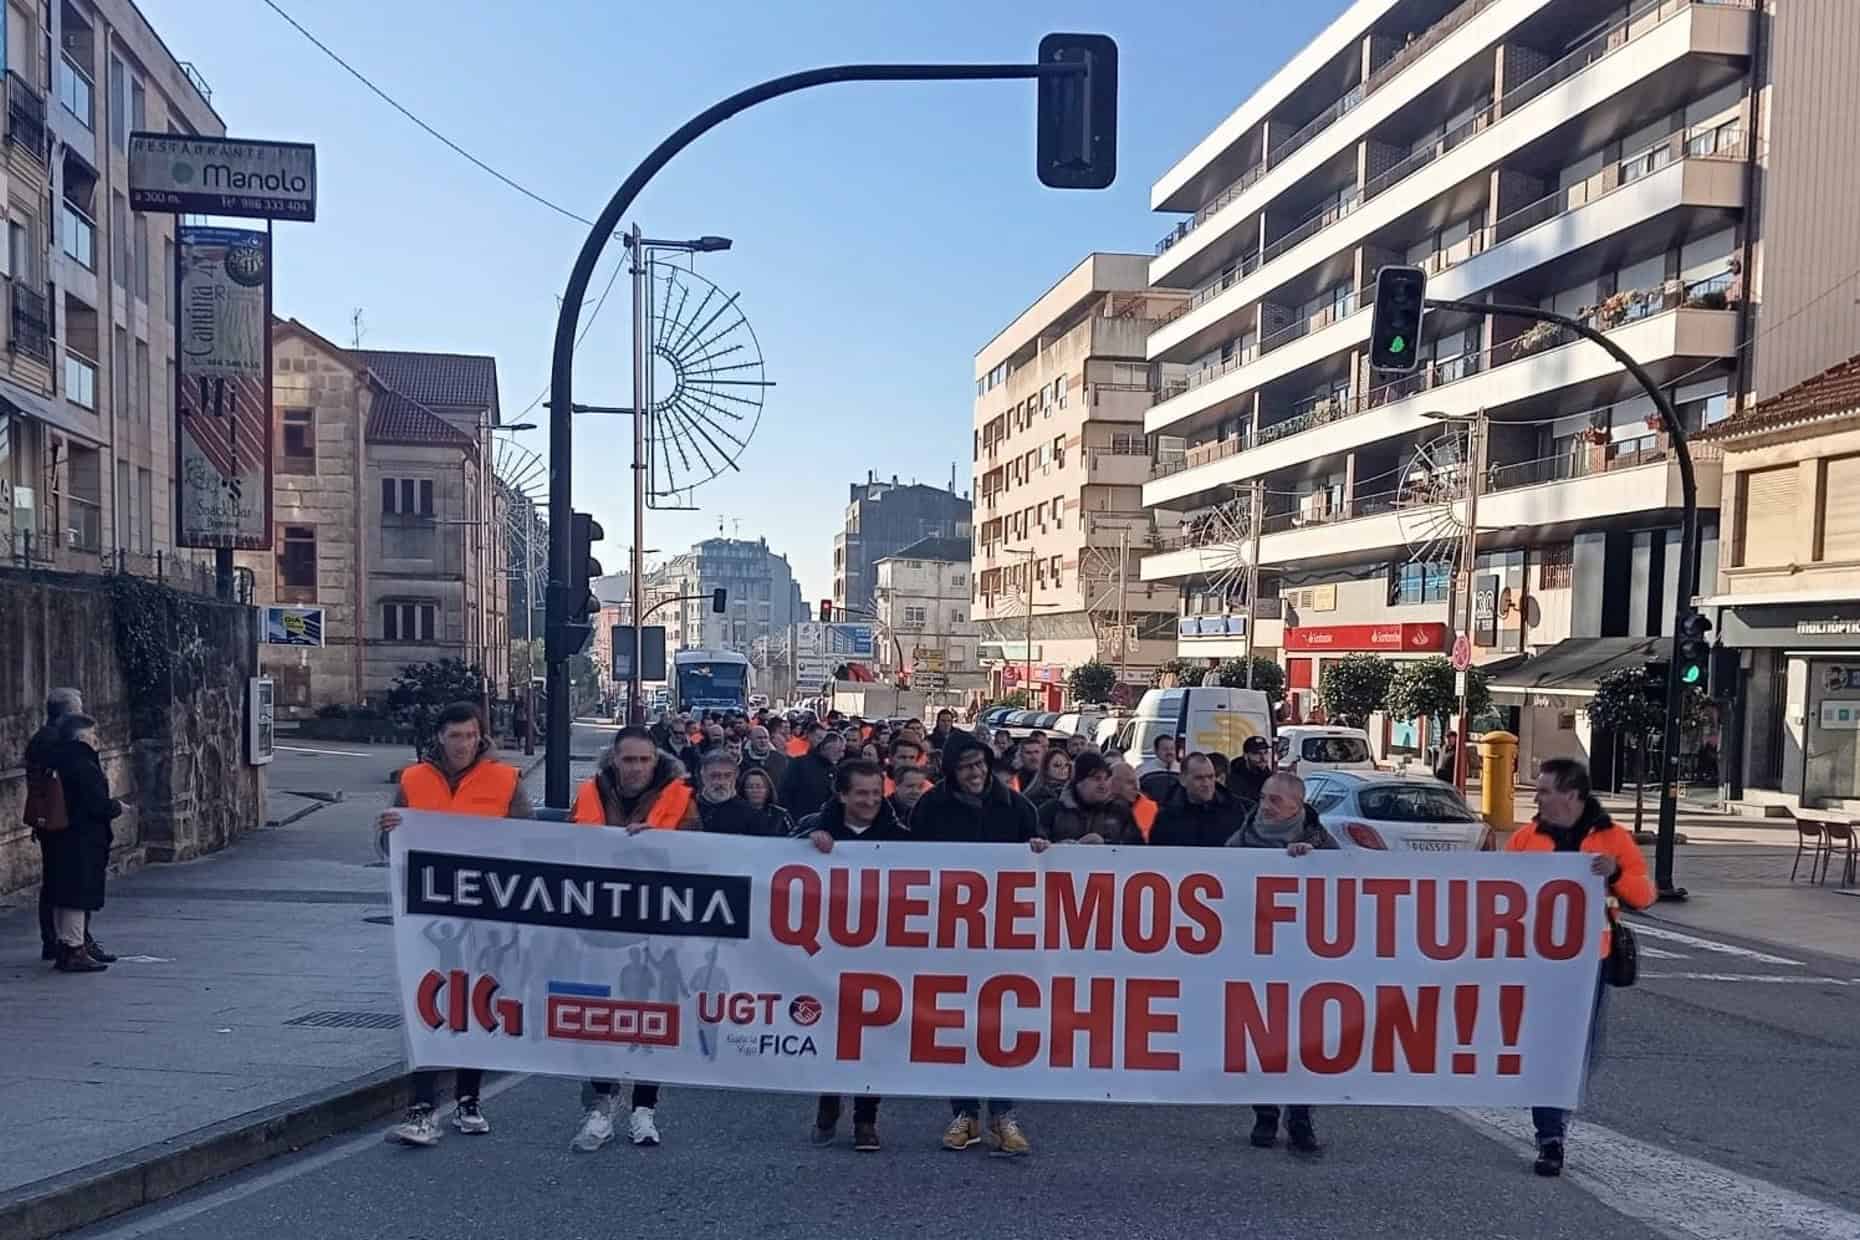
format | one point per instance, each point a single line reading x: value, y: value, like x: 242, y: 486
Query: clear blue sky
x: 883, y: 232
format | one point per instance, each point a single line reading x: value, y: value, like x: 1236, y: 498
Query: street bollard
x: 1498, y: 767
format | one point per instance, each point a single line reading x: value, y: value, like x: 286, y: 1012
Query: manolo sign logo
x: 222, y: 176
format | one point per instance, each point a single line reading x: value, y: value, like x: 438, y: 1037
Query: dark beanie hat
x: 1088, y: 764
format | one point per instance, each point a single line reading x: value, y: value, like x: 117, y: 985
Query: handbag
x: 1622, y: 968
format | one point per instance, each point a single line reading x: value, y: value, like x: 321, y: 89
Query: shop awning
x: 1573, y: 666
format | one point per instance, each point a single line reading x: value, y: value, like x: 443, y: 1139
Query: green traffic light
x: 1398, y: 344
x: 1692, y: 674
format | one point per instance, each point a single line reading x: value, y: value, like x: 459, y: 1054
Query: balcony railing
x: 25, y: 118
x: 31, y: 322
x: 76, y: 92
x: 1611, y: 39
x: 78, y: 235
x: 80, y: 379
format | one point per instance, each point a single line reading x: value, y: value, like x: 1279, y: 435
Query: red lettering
x: 1071, y: 917
x: 1097, y: 1020
x: 901, y: 906
x: 1266, y: 1034
x: 856, y: 1015
x: 1385, y: 892
x: 927, y: 1016
x: 1501, y: 907
x: 768, y: 1003
x: 1195, y: 892
x: 1268, y: 912
x: 1413, y: 1025
x: 1012, y: 907
x: 804, y: 934
x: 1141, y: 1023
x: 458, y: 994
x: 1427, y: 896
x: 1312, y: 1005
x: 1155, y: 937
x: 961, y: 897
x: 1563, y: 896
x: 1317, y: 917
x: 742, y: 1008
x: 995, y: 1052
x: 840, y: 925
x: 710, y: 1007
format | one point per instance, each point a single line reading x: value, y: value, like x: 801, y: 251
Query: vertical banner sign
x: 223, y: 397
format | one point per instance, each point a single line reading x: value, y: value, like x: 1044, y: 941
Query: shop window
x: 1419, y: 583
x: 297, y: 564
x: 1553, y: 567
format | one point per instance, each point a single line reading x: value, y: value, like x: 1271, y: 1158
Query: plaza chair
x: 1840, y: 842
x: 1811, y: 837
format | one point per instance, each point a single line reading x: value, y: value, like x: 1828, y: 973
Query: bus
x: 711, y: 680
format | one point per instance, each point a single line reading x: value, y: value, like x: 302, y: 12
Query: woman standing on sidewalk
x: 78, y: 857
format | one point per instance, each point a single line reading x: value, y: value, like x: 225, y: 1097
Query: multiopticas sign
x: 181, y: 173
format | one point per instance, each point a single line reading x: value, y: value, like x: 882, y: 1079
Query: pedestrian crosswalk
x: 1674, y: 955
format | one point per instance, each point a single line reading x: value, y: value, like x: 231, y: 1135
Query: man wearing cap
x: 1247, y: 777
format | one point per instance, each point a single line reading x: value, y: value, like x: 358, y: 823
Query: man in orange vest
x: 1125, y: 788
x: 641, y: 789
x: 458, y: 775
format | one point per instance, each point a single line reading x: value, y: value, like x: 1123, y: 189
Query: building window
x: 167, y: 267
x: 298, y: 455
x: 1419, y: 583
x: 141, y: 240
x: 1057, y: 577
x: 1766, y: 518
x: 914, y: 617
x: 957, y: 617
x: 119, y: 250
x: 1553, y: 567
x: 409, y: 497
x: 297, y: 564
x: 119, y: 105
x: 1838, y: 533
x: 956, y: 579
x: 138, y: 106
x: 408, y: 622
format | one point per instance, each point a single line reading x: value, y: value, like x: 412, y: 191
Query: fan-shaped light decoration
x: 1227, y: 548
x: 1430, y: 503
x: 709, y: 363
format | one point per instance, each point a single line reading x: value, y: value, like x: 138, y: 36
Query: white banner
x: 1104, y: 974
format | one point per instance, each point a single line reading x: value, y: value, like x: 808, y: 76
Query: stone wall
x: 171, y: 725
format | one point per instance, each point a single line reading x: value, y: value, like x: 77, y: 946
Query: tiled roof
x: 1833, y: 392
x: 949, y: 550
x: 394, y: 418
x: 436, y: 379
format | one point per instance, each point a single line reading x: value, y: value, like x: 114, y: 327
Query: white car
x: 1309, y: 747
x: 1390, y: 812
x: 1079, y: 723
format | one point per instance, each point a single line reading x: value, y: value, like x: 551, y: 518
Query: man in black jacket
x: 721, y: 807
x: 1198, y: 812
x: 945, y: 724
x: 808, y: 782
x: 1248, y: 776
x: 972, y: 807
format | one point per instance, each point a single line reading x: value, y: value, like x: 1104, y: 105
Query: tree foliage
x: 1621, y: 704
x: 1423, y: 689
x: 1178, y: 671
x: 1354, y: 687
x: 1268, y: 677
x: 422, y: 690
x: 1091, y: 682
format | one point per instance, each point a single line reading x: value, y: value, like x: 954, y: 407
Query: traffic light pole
x: 1688, y: 564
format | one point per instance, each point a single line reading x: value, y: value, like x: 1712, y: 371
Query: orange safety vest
x: 1144, y: 811
x: 1631, y: 884
x: 666, y: 812
x: 483, y: 791
x: 797, y: 747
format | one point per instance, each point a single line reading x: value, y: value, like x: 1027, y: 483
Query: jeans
x: 865, y: 1110
x: 1552, y: 1123
x: 645, y: 1093
x: 426, y: 1085
x: 1294, y: 1116
x: 972, y: 1107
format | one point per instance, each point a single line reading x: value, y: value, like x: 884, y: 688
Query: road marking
x: 1775, y: 979
x: 158, y: 1217
x: 1660, y: 953
x: 1710, y: 945
x: 1680, y: 1197
x: 338, y: 753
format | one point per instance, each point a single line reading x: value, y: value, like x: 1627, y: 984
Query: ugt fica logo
x: 467, y: 1002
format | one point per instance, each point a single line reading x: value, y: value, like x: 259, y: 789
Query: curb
x: 297, y: 814
x: 78, y: 1198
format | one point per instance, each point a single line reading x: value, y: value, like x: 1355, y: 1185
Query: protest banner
x: 1115, y: 974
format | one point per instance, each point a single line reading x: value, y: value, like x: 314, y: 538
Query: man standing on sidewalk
x: 458, y: 775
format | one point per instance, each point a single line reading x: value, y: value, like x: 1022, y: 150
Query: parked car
x: 1078, y: 723
x: 1305, y: 748
x: 1387, y: 811
x: 1215, y: 720
x: 992, y: 718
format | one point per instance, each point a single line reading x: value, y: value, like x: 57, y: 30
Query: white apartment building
x: 87, y: 377
x: 1595, y: 157
x: 1060, y: 461
x: 923, y: 601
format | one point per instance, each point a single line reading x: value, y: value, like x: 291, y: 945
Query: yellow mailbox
x: 1498, y: 765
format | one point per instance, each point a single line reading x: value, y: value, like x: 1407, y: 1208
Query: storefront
x: 1309, y: 647
x: 1799, y: 696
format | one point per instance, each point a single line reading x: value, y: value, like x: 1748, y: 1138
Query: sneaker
x: 417, y: 1129
x: 95, y: 951
x: 469, y: 1118
x: 1004, y: 1133
x: 597, y: 1126
x: 77, y: 960
x: 1302, y: 1140
x: 963, y: 1131
x: 1265, y: 1134
x: 865, y: 1138
x: 640, y: 1129
x: 1549, y: 1159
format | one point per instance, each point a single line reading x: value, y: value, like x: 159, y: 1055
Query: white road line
x: 1673, y: 936
x: 1660, y: 953
x: 1676, y: 1195
x: 338, y: 753
x: 159, y: 1217
x: 1775, y: 979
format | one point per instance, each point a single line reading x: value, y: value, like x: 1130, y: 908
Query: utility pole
x: 641, y: 360
x: 1123, y: 613
x: 1028, y: 652
x: 529, y: 627
x: 1469, y: 560
x: 1256, y: 517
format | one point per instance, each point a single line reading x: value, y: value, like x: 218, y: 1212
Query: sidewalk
x: 253, y: 1006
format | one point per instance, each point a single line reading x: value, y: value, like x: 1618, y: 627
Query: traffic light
x: 1653, y: 675
x: 826, y: 611
x: 1694, y: 651
x: 720, y: 600
x: 571, y: 636
x: 1395, y: 322
x: 1076, y: 130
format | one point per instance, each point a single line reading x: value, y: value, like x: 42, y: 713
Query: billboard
x: 222, y: 400
x: 293, y: 626
x: 186, y: 174
x: 838, y: 642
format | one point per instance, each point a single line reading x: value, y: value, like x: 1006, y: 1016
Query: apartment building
x: 762, y: 597
x: 882, y: 518
x: 87, y: 376
x: 925, y: 603
x: 1600, y: 158
x: 1060, y: 462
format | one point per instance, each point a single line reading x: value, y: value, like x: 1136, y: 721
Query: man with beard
x: 721, y: 808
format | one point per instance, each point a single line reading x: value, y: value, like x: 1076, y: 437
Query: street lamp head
x: 516, y: 426
x: 708, y: 244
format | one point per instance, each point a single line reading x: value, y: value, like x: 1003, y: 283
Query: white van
x: 1215, y: 720
x: 1306, y: 747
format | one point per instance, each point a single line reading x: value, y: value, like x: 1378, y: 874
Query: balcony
x: 77, y: 234
x: 1636, y: 63
x: 76, y: 92
x: 1664, y: 329
x: 1631, y: 206
x: 80, y: 380
x: 31, y: 323
x: 25, y: 119
x: 1117, y: 467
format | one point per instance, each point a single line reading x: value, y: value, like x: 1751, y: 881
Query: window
x: 1766, y: 518
x: 140, y: 238
x: 1419, y: 583
x: 1057, y: 580
x: 409, y: 497
x: 914, y: 617
x: 145, y: 494
x: 141, y: 381
x: 119, y: 230
x: 956, y: 579
x: 958, y: 617
x: 138, y: 105
x: 1839, y: 535
x: 1553, y: 567
x: 408, y: 622
x: 298, y: 454
x: 297, y: 563
x: 167, y: 266
x: 119, y: 105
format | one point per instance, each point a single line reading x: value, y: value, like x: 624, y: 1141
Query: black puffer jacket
x: 1182, y: 823
x: 885, y: 829
x: 1064, y: 820
x: 999, y: 816
x: 806, y: 785
x: 734, y: 817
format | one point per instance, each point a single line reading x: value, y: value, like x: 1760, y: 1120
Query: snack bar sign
x: 184, y: 174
